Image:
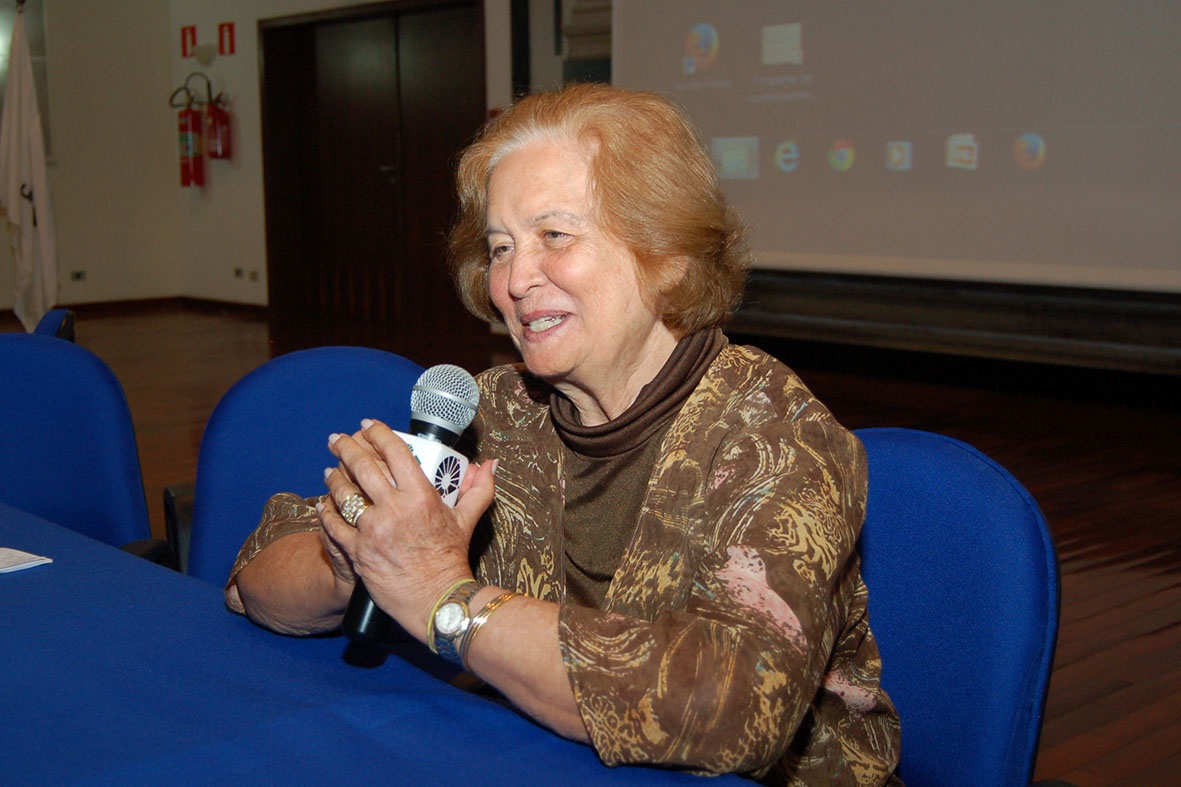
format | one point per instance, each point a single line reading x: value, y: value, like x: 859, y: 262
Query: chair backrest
x: 269, y: 434
x: 67, y: 444
x: 963, y: 601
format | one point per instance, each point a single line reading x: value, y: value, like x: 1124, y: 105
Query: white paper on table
x: 15, y: 560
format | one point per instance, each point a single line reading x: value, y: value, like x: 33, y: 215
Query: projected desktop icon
x: 787, y: 156
x: 963, y: 152
x: 737, y: 158
x: 783, y: 45
x: 1029, y: 151
x: 841, y: 155
x: 701, y: 48
x: 899, y: 156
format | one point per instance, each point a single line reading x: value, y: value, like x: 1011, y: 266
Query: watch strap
x: 447, y: 646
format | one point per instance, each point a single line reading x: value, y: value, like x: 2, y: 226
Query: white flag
x: 24, y: 186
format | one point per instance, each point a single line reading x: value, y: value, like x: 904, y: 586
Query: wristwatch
x: 451, y: 621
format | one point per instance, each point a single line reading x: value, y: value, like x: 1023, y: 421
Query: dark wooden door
x: 364, y: 114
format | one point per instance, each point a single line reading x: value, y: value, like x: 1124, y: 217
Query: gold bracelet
x: 430, y: 622
x: 478, y: 621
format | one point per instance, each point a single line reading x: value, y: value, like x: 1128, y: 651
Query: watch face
x: 449, y: 619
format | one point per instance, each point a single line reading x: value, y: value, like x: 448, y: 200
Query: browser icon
x: 1029, y: 151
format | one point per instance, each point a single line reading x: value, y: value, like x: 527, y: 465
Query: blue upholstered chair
x: 68, y: 451
x: 269, y: 434
x: 963, y: 600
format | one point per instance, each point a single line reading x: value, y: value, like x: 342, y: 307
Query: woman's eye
x: 498, y: 251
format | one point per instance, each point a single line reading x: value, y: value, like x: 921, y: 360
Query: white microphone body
x: 443, y: 466
x: 442, y: 405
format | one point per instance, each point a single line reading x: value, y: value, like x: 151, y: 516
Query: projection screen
x: 1013, y: 141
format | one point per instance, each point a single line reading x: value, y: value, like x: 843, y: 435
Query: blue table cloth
x: 116, y: 671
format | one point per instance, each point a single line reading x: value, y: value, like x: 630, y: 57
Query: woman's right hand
x: 406, y: 544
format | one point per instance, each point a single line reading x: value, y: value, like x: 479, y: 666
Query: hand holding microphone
x: 442, y: 404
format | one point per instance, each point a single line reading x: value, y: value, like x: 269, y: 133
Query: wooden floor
x: 1101, y: 452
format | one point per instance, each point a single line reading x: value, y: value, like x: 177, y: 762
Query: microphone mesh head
x: 445, y: 395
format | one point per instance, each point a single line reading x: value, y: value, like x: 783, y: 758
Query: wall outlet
x: 239, y: 273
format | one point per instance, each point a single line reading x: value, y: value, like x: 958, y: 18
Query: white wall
x: 545, y: 65
x: 121, y: 214
x: 113, y: 150
x: 223, y: 225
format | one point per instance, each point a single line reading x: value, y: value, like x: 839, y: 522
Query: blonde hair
x: 655, y: 188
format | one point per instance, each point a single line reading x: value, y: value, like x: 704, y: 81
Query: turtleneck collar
x: 656, y: 403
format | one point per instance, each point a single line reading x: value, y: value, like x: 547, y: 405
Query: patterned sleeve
x: 284, y: 514
x: 724, y: 679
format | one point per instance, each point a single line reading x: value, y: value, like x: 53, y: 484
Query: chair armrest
x: 156, y: 550
x: 58, y: 323
x: 178, y: 521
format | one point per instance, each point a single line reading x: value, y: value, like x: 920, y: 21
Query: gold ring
x: 352, y: 508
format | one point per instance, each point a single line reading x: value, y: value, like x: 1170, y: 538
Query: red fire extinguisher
x: 217, y: 128
x: 192, y: 161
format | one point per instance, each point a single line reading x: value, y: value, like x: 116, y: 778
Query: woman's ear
x: 672, y: 273
x: 660, y: 279
x: 678, y: 294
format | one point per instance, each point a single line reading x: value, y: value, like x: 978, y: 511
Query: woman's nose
x: 525, y: 272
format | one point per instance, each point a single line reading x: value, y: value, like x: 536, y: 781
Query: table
x: 114, y: 670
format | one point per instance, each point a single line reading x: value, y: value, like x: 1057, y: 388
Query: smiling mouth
x: 543, y: 324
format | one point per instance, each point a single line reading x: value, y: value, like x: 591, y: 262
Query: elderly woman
x: 656, y: 544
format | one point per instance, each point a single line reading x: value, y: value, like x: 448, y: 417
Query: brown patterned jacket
x: 734, y: 636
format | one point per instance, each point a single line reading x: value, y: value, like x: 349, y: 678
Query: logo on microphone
x: 447, y: 475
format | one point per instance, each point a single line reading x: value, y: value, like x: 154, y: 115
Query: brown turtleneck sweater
x: 607, y: 467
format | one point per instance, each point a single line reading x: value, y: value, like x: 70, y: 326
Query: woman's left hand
x: 408, y: 545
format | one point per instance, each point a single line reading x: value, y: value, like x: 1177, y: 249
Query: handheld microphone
x: 442, y: 405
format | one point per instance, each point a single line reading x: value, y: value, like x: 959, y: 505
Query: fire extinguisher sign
x: 225, y: 38
x: 188, y: 41
x: 226, y: 44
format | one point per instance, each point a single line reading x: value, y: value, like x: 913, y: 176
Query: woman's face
x: 568, y: 290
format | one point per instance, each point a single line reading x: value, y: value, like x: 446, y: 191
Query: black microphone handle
x: 364, y: 621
